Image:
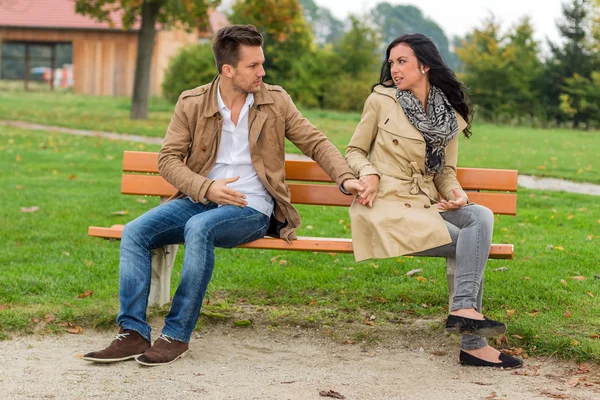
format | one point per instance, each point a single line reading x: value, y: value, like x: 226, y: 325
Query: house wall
x: 104, y: 61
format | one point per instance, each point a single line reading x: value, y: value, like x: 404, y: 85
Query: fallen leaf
x: 3, y: 307
x: 567, y: 314
x: 380, y: 300
x: 583, y: 368
x: 78, y: 355
x: 517, y: 337
x: 309, y: 227
x: 500, y: 340
x: 50, y: 318
x: 501, y: 269
x: 554, y: 395
x: 143, y: 201
x: 72, y: 177
x: 331, y: 393
x: 19, y: 158
x: 66, y: 253
x: 510, y: 313
x: 396, y: 272
x: 482, y: 383
x: 89, y: 263
x: 75, y: 330
x: 526, y: 278
x: 577, y: 278
x: 421, y: 279
x: 19, y: 187
x: 541, y: 167
x: 590, y: 237
x: 559, y: 248
x: 29, y: 209
x: 570, y: 216
x: 282, y: 262
x: 85, y: 294
x: 274, y: 259
x: 574, y: 343
x: 122, y: 212
x: 491, y: 395
x: 413, y: 271
x: 563, y: 282
x: 590, y: 294
x: 438, y: 353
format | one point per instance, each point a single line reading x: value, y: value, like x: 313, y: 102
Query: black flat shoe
x: 475, y: 327
x: 506, y: 361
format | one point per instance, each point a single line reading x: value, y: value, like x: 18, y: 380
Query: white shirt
x: 233, y: 158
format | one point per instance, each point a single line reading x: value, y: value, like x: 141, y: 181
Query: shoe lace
x: 121, y: 336
x: 165, y: 338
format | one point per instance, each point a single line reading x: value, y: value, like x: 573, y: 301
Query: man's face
x: 248, y: 74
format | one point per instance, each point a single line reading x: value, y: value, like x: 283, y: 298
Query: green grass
x: 47, y: 260
x: 560, y: 153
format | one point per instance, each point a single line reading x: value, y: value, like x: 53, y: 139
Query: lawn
x: 548, y: 294
x: 558, y: 153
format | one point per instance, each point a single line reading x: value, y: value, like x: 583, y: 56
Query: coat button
x: 407, y: 205
x: 203, y: 148
x: 427, y: 205
x: 395, y: 141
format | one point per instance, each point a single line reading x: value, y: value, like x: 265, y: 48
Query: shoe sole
x: 111, y: 360
x: 486, y: 332
x: 145, y: 364
x: 464, y: 364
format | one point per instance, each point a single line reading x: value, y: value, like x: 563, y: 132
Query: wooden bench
x: 493, y: 188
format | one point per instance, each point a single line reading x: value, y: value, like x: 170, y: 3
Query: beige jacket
x: 403, y: 219
x: 190, y: 147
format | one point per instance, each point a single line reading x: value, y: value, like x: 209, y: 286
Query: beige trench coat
x: 404, y: 218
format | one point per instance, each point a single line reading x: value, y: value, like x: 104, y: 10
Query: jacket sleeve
x: 175, y: 148
x: 445, y: 180
x: 360, y: 144
x: 314, y: 144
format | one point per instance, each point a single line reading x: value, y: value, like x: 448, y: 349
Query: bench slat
x: 309, y: 171
x: 327, y: 195
x: 329, y: 245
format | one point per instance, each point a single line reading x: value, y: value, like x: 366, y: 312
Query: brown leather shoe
x: 164, y: 351
x: 128, y: 344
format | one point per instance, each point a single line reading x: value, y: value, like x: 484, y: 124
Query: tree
x: 397, y: 20
x: 286, y: 34
x: 574, y: 57
x: 169, y: 13
x: 325, y: 27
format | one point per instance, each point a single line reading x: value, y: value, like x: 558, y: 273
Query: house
x: 37, y: 34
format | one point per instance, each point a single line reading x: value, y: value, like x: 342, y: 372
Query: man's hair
x: 227, y: 41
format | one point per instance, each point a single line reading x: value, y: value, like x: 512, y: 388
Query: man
x: 224, y: 152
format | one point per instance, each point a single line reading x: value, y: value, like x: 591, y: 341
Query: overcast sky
x: 457, y: 17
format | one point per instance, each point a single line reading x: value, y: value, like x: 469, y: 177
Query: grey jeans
x: 471, y: 229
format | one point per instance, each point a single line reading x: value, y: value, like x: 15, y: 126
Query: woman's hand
x: 370, y: 184
x: 455, y: 204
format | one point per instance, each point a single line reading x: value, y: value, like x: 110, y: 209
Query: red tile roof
x: 61, y: 14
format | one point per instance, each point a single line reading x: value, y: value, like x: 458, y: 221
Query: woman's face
x: 406, y: 70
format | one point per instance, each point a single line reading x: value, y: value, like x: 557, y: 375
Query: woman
x: 404, y: 150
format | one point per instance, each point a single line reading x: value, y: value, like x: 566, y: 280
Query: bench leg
x: 450, y: 272
x: 162, y: 265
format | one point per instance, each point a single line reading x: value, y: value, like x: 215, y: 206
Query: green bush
x: 193, y: 66
x: 348, y: 94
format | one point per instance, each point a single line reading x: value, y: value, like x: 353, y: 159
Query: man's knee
x: 197, y: 229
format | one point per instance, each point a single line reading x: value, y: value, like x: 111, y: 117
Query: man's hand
x: 219, y: 193
x: 455, y: 204
x: 352, y: 186
x: 370, y: 184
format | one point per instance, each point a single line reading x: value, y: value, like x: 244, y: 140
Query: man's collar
x: 221, y: 104
x: 260, y: 98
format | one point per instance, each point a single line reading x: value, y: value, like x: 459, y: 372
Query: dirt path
x: 295, y: 364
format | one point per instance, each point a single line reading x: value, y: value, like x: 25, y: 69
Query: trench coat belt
x: 418, y: 181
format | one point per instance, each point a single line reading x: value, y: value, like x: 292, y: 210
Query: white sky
x: 457, y: 17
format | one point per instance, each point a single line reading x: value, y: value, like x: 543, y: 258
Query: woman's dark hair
x: 439, y: 74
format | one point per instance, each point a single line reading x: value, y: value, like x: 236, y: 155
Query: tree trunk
x: 141, y: 84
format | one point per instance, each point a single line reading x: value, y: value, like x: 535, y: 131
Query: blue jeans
x: 202, y: 227
x: 471, y: 230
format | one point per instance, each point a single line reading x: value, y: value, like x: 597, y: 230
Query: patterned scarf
x: 438, y: 126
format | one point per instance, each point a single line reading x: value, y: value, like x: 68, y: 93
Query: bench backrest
x: 488, y: 187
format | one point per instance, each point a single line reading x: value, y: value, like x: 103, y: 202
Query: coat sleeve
x: 362, y: 140
x: 445, y: 180
x: 175, y: 148
x: 314, y: 144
